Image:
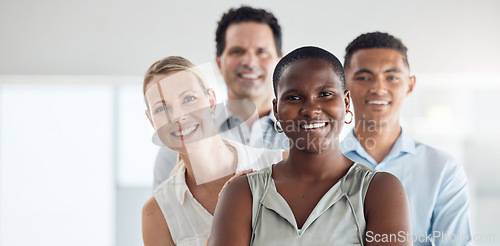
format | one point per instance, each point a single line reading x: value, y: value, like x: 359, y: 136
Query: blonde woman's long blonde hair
x: 168, y: 65
x: 173, y: 64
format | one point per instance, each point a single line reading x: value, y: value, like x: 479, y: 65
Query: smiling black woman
x: 316, y: 196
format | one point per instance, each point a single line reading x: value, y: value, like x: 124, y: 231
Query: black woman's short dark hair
x: 374, y: 40
x: 303, y: 53
x: 246, y: 14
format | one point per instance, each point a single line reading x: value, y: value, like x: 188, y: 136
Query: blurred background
x: 76, y: 158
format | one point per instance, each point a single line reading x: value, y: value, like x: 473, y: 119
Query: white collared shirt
x: 188, y: 221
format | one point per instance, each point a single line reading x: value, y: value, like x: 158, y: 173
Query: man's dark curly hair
x: 375, y: 40
x: 246, y: 14
x: 304, y: 53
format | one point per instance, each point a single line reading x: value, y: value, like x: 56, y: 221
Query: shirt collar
x: 241, y: 154
x: 180, y: 185
x: 404, y: 143
x: 351, y: 144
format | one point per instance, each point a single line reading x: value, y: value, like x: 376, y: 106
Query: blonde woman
x: 181, y: 108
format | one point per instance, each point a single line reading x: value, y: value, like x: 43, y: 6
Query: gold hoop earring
x: 276, y: 127
x: 352, y: 117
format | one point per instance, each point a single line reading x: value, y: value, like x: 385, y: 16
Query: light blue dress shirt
x: 435, y: 184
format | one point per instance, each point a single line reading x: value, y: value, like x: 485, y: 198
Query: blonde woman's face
x: 180, y: 109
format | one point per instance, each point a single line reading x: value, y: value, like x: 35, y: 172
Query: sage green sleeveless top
x: 337, y: 219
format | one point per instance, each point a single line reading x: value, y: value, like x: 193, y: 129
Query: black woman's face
x: 311, y: 105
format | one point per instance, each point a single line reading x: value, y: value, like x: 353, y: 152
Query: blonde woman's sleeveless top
x: 337, y: 219
x: 188, y: 221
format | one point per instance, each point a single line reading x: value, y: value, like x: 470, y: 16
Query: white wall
x: 124, y: 37
x: 56, y: 165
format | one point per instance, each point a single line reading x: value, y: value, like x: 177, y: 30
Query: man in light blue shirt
x: 378, y: 78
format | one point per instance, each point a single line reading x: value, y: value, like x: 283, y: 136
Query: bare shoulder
x: 237, y: 193
x: 151, y: 212
x: 151, y: 207
x: 232, y: 222
x: 385, y: 184
x: 386, y: 209
x: 384, y: 190
x: 154, y: 226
